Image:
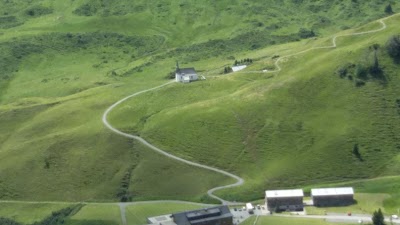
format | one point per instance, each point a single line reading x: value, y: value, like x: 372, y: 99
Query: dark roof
x: 202, y: 215
x: 185, y: 71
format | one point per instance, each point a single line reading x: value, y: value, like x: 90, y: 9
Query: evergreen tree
x: 375, y: 68
x: 393, y: 47
x: 356, y: 152
x: 6, y: 221
x: 388, y: 9
x: 378, y: 218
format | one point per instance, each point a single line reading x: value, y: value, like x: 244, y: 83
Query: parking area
x: 240, y: 213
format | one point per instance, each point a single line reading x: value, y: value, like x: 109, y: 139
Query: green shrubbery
x: 14, y: 52
x: 6, y: 221
x: 305, y: 33
x: 213, y: 48
x: 107, y: 8
x: 38, y: 10
x: 60, y: 217
x: 9, y: 21
x: 123, y: 193
x: 393, y: 47
x: 86, y: 9
x: 367, y: 69
x: 56, y: 218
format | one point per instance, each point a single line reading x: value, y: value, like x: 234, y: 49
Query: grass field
x: 93, y: 214
x: 109, y: 214
x: 64, y: 62
x: 283, y: 118
x: 286, y: 221
x: 376, y: 193
x: 366, y: 204
x: 28, y: 213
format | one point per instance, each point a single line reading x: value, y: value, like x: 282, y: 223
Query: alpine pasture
x: 63, y: 63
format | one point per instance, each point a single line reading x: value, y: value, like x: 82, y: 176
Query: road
x: 340, y: 218
x: 334, y: 45
x: 239, y: 180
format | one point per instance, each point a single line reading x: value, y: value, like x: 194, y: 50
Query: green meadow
x: 296, y: 128
x: 91, y: 214
x: 63, y: 63
x: 285, y: 221
x: 28, y: 213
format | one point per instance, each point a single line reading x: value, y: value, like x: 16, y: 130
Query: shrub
x: 393, y: 47
x: 86, y: 10
x: 6, y: 221
x: 342, y: 71
x: 304, y: 33
x: 388, y: 9
x: 59, y: 217
x: 228, y: 69
x: 378, y: 218
x: 37, y: 11
x: 360, y: 83
x: 171, y: 75
x: 361, y: 71
x: 9, y: 21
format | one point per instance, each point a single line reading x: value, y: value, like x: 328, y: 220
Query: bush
x: 342, y: 71
x: 228, y: 69
x: 86, y: 10
x: 171, y: 75
x: 360, y: 83
x: 9, y: 21
x: 378, y: 218
x: 5, y: 221
x: 388, y: 9
x: 393, y: 47
x: 59, y: 217
x: 304, y: 33
x: 37, y: 11
x: 361, y: 71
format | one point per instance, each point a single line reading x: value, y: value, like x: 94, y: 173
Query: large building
x: 332, y: 196
x: 220, y: 215
x: 185, y: 75
x: 284, y: 200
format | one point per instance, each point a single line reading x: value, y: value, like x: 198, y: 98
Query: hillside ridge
x: 240, y: 180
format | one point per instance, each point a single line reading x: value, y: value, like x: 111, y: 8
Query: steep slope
x: 300, y: 127
x: 62, y: 67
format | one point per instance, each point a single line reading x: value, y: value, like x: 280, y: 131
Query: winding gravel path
x: 239, y: 180
x: 334, y: 45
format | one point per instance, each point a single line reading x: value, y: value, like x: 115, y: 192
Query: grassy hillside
x: 297, y: 128
x: 64, y: 62
x: 28, y: 213
x: 286, y: 221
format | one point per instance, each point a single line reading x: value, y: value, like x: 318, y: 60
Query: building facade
x: 220, y: 215
x: 185, y: 75
x: 332, y: 196
x: 284, y: 200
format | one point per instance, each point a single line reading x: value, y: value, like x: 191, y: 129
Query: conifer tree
x: 378, y: 218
